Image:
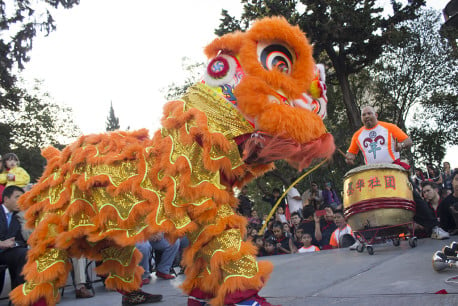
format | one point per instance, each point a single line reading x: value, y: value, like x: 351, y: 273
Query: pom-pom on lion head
x: 264, y: 72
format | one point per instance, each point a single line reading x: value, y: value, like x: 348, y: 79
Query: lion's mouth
x: 279, y: 98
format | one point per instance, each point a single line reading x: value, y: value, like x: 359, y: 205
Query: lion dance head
x: 269, y: 75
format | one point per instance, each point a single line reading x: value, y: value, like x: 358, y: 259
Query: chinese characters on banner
x: 373, y: 182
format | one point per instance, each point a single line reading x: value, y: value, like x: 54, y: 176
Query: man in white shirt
x: 294, y: 200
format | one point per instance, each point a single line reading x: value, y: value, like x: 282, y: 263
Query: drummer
x: 381, y: 143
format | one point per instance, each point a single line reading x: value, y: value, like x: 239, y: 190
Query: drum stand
x: 377, y: 235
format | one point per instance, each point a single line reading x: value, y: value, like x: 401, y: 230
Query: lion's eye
x: 275, y: 56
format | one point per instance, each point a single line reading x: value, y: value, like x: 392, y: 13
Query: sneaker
x: 140, y: 297
x: 164, y: 275
x: 439, y: 233
x: 254, y: 300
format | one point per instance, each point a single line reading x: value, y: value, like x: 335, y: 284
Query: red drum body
x: 377, y: 196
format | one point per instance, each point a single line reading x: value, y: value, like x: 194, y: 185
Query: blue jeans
x: 169, y: 253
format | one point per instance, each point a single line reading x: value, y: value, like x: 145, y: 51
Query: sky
x: 126, y: 53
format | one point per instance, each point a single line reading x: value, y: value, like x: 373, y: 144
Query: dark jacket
x: 14, y: 230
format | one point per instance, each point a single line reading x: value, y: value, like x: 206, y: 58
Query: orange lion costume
x: 105, y: 192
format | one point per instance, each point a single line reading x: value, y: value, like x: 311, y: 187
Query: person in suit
x: 13, y: 246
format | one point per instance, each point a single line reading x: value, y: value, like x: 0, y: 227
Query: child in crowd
x: 259, y: 243
x: 342, y: 232
x: 254, y: 219
x: 307, y: 244
x: 280, y: 215
x: 297, y: 238
x: 12, y: 173
x: 287, y: 230
x: 252, y: 233
x: 284, y: 243
x: 269, y: 248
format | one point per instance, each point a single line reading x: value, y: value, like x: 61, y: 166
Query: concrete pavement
x: 392, y: 276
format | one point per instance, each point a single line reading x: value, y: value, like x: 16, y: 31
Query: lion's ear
x: 229, y: 43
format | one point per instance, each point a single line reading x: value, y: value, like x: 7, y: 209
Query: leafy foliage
x: 38, y: 122
x: 20, y: 22
x: 192, y: 72
x: 420, y: 73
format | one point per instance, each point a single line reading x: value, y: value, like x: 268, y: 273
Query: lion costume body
x: 104, y: 193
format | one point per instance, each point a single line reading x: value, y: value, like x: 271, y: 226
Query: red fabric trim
x: 373, y: 204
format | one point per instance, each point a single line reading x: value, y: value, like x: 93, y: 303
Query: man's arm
x: 8, y: 243
x: 350, y: 158
x: 404, y: 145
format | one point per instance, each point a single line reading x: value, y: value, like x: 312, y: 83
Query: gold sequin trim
x: 50, y: 258
x: 122, y: 203
x: 117, y: 172
x: 121, y: 255
x: 246, y: 267
x: 223, y: 116
x: 230, y: 239
x: 29, y: 286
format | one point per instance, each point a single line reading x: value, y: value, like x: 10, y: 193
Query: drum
x: 377, y: 195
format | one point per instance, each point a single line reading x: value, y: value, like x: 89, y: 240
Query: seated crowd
x: 320, y: 224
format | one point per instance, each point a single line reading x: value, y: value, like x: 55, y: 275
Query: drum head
x: 374, y: 167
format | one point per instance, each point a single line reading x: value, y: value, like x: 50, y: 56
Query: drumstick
x: 340, y: 151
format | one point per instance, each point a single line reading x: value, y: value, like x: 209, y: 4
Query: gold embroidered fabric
x: 51, y: 257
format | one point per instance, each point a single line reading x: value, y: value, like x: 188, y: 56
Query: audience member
x: 449, y: 207
x: 280, y: 215
x: 284, y: 244
x: 12, y: 173
x: 447, y: 178
x: 431, y: 195
x: 330, y: 197
x: 252, y: 233
x: 296, y: 221
x: 245, y: 204
x: 313, y: 196
x: 307, y: 245
x: 269, y: 229
x: 308, y: 224
x: 433, y: 175
x: 327, y: 227
x: 342, y: 229
x: 287, y: 230
x: 13, y: 247
x: 273, y: 198
x: 259, y: 243
x: 294, y: 199
x: 270, y: 247
x: 417, y: 179
x: 254, y: 219
x: 169, y: 252
x: 297, y: 238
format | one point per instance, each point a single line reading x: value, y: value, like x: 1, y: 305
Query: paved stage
x: 392, y: 276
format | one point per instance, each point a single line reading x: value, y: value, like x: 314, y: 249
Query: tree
x: 112, y: 123
x: 420, y: 73
x: 191, y: 72
x: 351, y: 33
x: 20, y: 21
x: 38, y: 122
